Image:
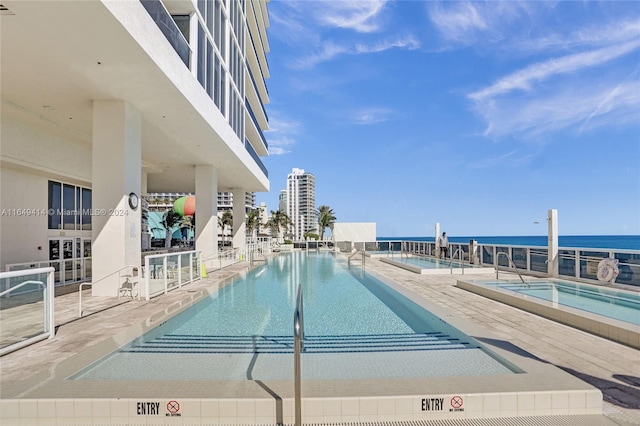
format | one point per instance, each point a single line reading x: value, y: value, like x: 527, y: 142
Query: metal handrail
x: 261, y: 256
x: 22, y: 284
x: 512, y: 264
x: 298, y: 347
x: 97, y: 281
x: 222, y: 255
x: 461, y: 258
x: 363, y: 252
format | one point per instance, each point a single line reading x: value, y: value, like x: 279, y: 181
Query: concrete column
x: 239, y: 220
x: 437, y: 235
x: 116, y: 172
x: 552, y: 243
x: 143, y: 182
x: 207, y: 213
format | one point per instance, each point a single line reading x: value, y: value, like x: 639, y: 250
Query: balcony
x: 256, y: 157
x: 257, y: 126
x: 169, y: 28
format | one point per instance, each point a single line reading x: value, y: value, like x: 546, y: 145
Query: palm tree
x: 278, y: 220
x: 224, y: 221
x: 186, y: 224
x: 326, y: 219
x: 253, y: 221
x: 170, y: 220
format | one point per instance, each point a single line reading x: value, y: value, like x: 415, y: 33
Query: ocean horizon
x: 624, y: 242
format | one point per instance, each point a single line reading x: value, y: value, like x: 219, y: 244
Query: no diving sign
x: 173, y: 408
x: 456, y: 403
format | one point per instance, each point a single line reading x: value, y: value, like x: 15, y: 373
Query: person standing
x: 443, y: 245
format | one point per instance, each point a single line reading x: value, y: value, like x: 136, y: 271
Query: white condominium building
x: 106, y: 100
x: 301, y: 203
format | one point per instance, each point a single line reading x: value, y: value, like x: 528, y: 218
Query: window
x: 69, y: 207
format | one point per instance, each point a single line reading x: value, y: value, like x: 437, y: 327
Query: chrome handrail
x: 298, y: 347
x: 363, y: 252
x: 461, y: 258
x: 22, y: 284
x: 252, y: 257
x: 136, y: 267
x: 512, y: 264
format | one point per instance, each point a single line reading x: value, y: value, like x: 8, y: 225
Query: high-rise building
x: 105, y: 101
x: 301, y: 203
x: 282, y: 200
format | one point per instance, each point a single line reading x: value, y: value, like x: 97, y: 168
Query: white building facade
x: 301, y: 203
x: 104, y: 101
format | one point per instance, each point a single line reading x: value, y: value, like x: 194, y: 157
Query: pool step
x: 312, y: 344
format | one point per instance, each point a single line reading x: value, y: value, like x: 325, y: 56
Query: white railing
x: 225, y: 258
x: 66, y: 271
x: 162, y: 273
x: 12, y: 312
x: 578, y: 263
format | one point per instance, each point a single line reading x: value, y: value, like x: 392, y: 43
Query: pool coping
x: 544, y: 390
x: 471, y: 270
x: 599, y: 325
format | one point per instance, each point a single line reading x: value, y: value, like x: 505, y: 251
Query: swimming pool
x: 356, y: 327
x: 430, y: 265
x: 610, y: 313
x: 233, y: 364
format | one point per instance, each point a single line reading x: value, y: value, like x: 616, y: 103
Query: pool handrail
x: 298, y: 347
x: 136, y: 267
x: 362, y: 252
x: 461, y: 258
x: 512, y: 264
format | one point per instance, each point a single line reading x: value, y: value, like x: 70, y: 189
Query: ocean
x: 625, y: 242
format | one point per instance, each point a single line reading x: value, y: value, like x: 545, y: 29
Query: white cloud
x: 592, y: 36
x: 466, y: 22
x: 360, y: 16
x: 541, y: 71
x: 281, y: 134
x: 604, y: 104
x: 509, y: 159
x: 280, y: 146
x: 371, y: 115
x: 330, y: 50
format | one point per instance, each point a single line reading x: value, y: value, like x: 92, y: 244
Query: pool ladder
x: 461, y: 258
x: 515, y: 268
x: 362, y: 252
x: 298, y: 347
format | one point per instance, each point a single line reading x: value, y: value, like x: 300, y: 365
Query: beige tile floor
x: 611, y: 367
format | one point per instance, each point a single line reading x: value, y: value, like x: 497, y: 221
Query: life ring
x: 607, y: 270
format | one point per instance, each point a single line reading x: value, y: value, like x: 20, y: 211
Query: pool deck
x: 612, y: 368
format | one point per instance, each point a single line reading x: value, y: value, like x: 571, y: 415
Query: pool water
x: 620, y: 305
x: 355, y: 327
x: 431, y: 263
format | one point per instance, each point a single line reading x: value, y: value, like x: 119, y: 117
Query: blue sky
x: 481, y: 116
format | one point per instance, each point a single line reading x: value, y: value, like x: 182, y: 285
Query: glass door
x: 67, y: 253
x: 54, y: 255
x: 86, y: 253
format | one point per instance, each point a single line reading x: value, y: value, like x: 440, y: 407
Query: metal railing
x: 362, y: 252
x: 298, y: 347
x: 577, y: 263
x: 26, y: 333
x: 461, y: 258
x: 515, y: 268
x: 256, y: 256
x: 120, y: 276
